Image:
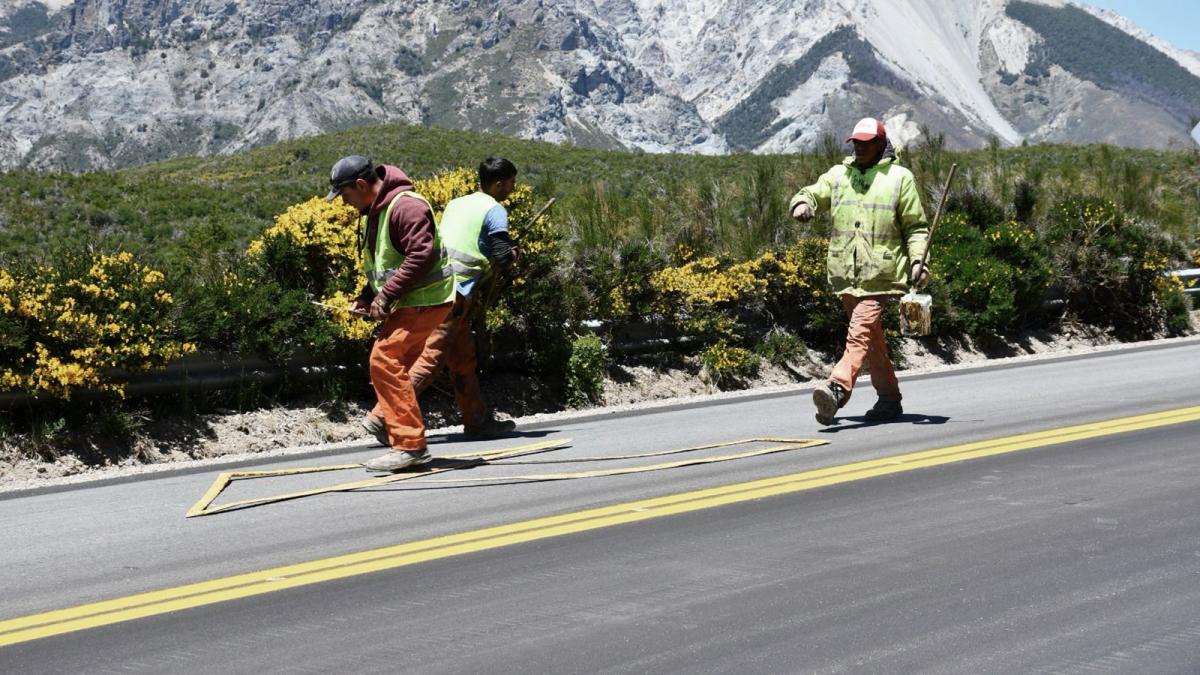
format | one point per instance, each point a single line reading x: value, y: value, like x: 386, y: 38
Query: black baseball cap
x: 347, y: 170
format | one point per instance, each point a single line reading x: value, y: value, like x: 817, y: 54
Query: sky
x: 1175, y: 21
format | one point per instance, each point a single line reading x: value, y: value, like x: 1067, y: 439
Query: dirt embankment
x: 226, y: 434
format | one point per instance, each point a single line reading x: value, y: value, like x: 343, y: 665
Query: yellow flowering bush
x: 728, y: 366
x: 349, y: 326
x: 708, y: 295
x: 707, y: 281
x: 1159, y: 265
x: 70, y: 326
x: 443, y: 187
x: 314, y: 244
x: 311, y: 252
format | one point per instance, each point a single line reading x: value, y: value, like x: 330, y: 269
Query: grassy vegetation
x: 689, y: 244
x: 160, y: 211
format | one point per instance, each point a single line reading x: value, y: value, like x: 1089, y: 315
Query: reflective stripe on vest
x: 380, y: 265
x: 461, y: 227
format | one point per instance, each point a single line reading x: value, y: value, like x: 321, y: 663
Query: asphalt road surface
x: 1057, y: 552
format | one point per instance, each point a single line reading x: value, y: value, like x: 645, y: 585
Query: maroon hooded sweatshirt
x: 412, y: 231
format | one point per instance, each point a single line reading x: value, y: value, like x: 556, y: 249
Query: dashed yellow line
x: 36, y: 626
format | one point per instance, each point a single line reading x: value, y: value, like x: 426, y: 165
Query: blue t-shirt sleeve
x: 496, y: 220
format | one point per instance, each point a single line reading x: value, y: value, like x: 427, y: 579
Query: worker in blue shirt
x: 474, y: 232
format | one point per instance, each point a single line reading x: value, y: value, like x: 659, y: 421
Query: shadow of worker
x: 459, y: 437
x: 861, y: 422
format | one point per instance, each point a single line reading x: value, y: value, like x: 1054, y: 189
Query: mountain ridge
x: 93, y: 84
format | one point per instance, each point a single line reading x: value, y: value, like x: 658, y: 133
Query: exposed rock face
x: 105, y: 83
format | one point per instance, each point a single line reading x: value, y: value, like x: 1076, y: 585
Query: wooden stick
x: 499, y: 279
x: 937, y: 216
x: 542, y: 210
x: 333, y: 308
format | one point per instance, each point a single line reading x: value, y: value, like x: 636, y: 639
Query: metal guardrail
x: 206, y: 372
x: 1190, y: 279
x: 202, y: 372
x: 193, y: 373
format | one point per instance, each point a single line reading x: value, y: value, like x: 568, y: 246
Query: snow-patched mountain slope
x: 714, y: 53
x: 112, y: 82
x: 937, y: 44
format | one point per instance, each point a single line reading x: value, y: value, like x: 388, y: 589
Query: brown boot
x: 828, y: 397
x: 490, y: 428
x: 885, y: 410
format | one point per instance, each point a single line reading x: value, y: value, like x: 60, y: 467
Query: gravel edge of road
x: 545, y: 421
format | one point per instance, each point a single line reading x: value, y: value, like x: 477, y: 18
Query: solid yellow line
x: 33, y: 627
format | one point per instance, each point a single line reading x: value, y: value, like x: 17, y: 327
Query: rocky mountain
x: 103, y: 83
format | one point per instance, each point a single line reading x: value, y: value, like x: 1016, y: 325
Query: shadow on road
x: 862, y: 422
x: 462, y: 438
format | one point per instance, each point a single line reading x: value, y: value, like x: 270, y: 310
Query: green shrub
x: 1110, y: 267
x: 585, y: 371
x: 615, y: 282
x: 1025, y: 198
x: 1177, y: 308
x: 989, y: 281
x: 781, y: 347
x: 977, y: 206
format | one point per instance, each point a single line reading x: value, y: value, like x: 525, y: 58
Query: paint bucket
x: 916, y: 309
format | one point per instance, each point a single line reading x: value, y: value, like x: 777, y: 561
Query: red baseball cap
x: 868, y: 129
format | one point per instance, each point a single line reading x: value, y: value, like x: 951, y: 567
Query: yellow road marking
x: 36, y: 626
x: 204, y: 507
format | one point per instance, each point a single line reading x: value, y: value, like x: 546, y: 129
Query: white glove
x: 919, y: 278
x: 803, y: 212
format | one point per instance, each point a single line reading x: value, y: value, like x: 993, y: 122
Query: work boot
x: 490, y: 428
x: 397, y: 460
x: 374, y: 426
x: 885, y: 410
x: 828, y: 397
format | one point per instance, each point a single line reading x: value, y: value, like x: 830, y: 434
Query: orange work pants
x: 396, y: 350
x: 452, y: 345
x: 865, y: 344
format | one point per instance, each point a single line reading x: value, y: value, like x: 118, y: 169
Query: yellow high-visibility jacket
x: 879, y: 226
